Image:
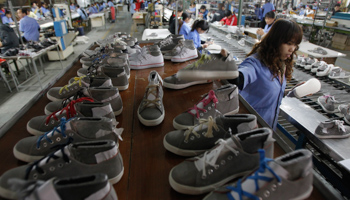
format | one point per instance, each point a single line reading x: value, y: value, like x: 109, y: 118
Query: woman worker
x: 269, y: 19
x: 198, y: 27
x: 229, y: 19
x: 185, y: 28
x: 263, y: 74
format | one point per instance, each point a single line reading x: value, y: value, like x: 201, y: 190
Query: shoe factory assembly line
x: 299, y: 117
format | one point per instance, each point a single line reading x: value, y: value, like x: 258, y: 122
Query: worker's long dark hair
x: 268, y: 50
x: 200, y: 24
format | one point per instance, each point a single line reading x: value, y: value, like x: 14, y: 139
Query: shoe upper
x: 212, y: 63
x: 327, y: 102
x: 332, y: 128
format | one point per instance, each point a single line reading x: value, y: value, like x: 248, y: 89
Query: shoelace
x: 205, y: 101
x: 70, y: 109
x: 77, y: 80
x: 166, y: 42
x: 55, y: 155
x: 329, y: 97
x: 61, y: 128
x: 210, y: 157
x: 210, y: 124
x: 340, y: 125
x: 204, y: 58
x: 256, y: 177
x: 152, y: 89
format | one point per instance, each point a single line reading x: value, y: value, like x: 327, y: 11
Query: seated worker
x: 203, y: 12
x: 83, y: 15
x: 72, y: 7
x: 220, y: 14
x: 45, y: 12
x: 336, y: 8
x: 28, y: 26
x: 172, y: 21
x: 7, y: 19
x: 302, y: 10
x: 8, y: 38
x: 308, y: 11
x: 185, y: 28
x: 269, y: 19
x: 192, y: 8
x: 36, y: 10
x: 229, y: 19
x: 198, y: 27
x: 92, y: 9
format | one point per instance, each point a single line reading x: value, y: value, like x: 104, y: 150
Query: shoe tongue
x: 249, y: 185
x: 93, y: 153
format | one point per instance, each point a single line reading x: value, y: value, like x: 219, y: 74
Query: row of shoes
x: 328, y: 104
x: 321, y: 68
x: 31, y: 46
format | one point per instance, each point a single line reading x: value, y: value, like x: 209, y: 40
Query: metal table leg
x: 36, y: 72
x: 59, y: 56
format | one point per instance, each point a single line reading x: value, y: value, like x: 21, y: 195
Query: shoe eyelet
x: 267, y: 193
x: 60, y: 165
x: 204, y: 176
x: 44, y: 144
x: 58, y: 139
x: 51, y: 142
x: 229, y: 157
x: 223, y: 162
x: 213, y: 104
x: 191, y: 138
x: 52, y: 122
x: 198, y: 136
x: 201, y: 114
x: 279, y: 184
x: 35, y: 176
x: 186, y: 141
x: 210, y: 171
x: 75, y: 87
x: 71, y: 134
x: 217, y: 166
x: 52, y: 169
x: 209, y: 108
x: 274, y: 187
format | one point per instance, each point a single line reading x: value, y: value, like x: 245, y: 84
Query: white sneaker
x: 324, y: 71
x: 311, y: 86
x: 298, y: 62
x: 147, y: 60
x: 319, y: 65
x: 310, y: 63
x: 338, y: 72
x: 187, y: 52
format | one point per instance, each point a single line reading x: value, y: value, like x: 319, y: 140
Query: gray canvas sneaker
x: 79, y: 108
x: 187, y: 52
x: 145, y: 50
x: 327, y: 103
x: 173, y: 82
x: 93, y: 187
x: 147, y: 60
x: 310, y: 62
x: 176, y: 50
x: 118, y: 76
x: 287, y: 177
x: 169, y: 43
x: 79, y: 84
x: 231, y: 158
x: 98, y: 94
x: 332, y: 129
x: 344, y: 109
x: 203, y: 136
x: 151, y: 109
x: 210, y: 67
x: 222, y: 101
x: 88, y: 61
x: 79, y: 129
x: 77, y: 159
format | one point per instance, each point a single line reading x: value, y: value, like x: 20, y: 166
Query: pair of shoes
x: 324, y: 70
x: 319, y: 64
x: 79, y: 159
x: 310, y: 62
x: 332, y: 129
x: 338, y: 72
x: 168, y: 44
x: 182, y: 52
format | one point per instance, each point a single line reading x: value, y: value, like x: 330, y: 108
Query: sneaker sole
x: 167, y: 57
x: 86, y: 66
x: 116, y: 179
x: 125, y: 87
x: 154, y: 122
x: 34, y: 131
x: 332, y: 136
x: 118, y: 112
x: 181, y: 152
x: 184, y: 189
x: 206, y: 75
x: 8, y: 194
x: 51, y: 98
x: 184, y: 59
x: 304, y: 195
x: 25, y: 157
x: 181, y: 127
x: 327, y: 111
x: 80, y: 74
x: 147, y: 66
x: 181, y: 86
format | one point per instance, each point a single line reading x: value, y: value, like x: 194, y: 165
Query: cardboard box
x: 341, y: 38
x: 341, y: 46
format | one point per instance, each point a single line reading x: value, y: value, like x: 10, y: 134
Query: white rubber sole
x: 33, y: 131
x: 184, y: 59
x: 304, y: 195
x: 206, y: 75
x: 154, y: 122
x: 80, y: 74
x: 7, y: 194
x: 51, y: 98
x: 332, y: 136
x: 118, y: 112
x: 181, y: 152
x: 116, y: 179
x: 85, y: 66
x: 25, y: 157
x: 125, y: 87
x: 327, y: 111
x: 182, y: 86
x: 147, y: 66
x: 167, y: 57
x: 47, y: 112
x: 184, y: 189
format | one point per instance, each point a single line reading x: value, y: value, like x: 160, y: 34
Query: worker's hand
x: 205, y: 45
x: 260, y: 31
x: 222, y: 22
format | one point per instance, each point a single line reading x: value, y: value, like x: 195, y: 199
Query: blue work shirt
x: 205, y: 14
x: 132, y: 8
x: 267, y: 28
x: 267, y: 8
x: 263, y: 92
x: 30, y: 28
x: 44, y: 10
x: 110, y: 4
x: 192, y: 10
x: 72, y: 7
x: 6, y: 20
x: 82, y: 14
x: 92, y: 10
x: 185, y: 30
x: 258, y: 13
x: 100, y: 8
x: 302, y: 12
x: 194, y: 35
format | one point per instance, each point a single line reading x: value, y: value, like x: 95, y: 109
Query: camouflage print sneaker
x: 287, y: 177
x: 77, y: 159
x: 79, y: 84
x: 332, y: 129
x: 98, y: 94
x: 231, y: 158
x: 95, y: 186
x: 222, y: 101
x: 41, y: 124
x: 79, y: 129
x: 203, y: 136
